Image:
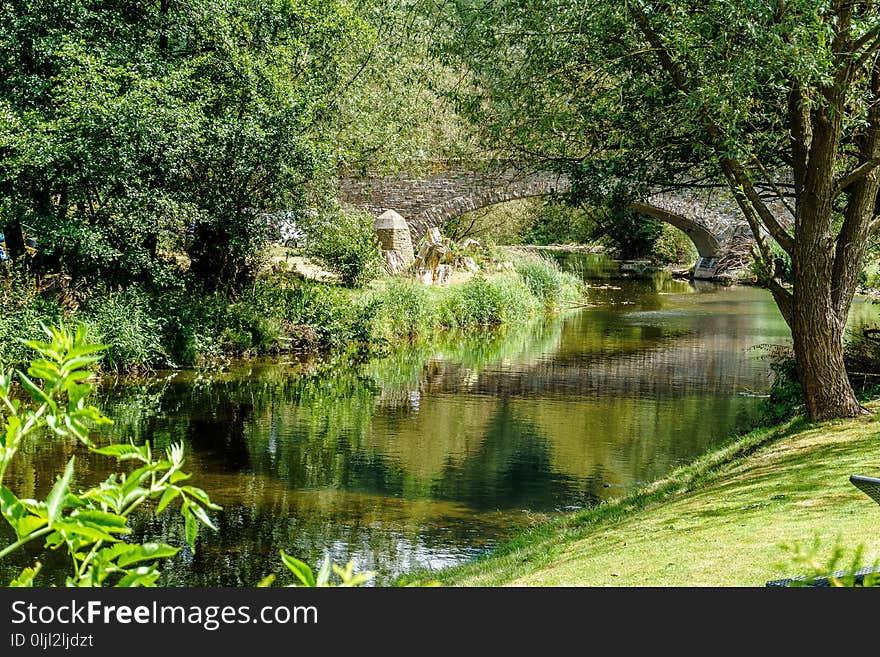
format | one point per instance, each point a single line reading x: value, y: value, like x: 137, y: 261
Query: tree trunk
x: 818, y: 348
x: 14, y: 239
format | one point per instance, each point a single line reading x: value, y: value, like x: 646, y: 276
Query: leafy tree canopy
x: 777, y: 101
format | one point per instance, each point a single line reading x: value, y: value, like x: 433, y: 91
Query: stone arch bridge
x: 712, y: 221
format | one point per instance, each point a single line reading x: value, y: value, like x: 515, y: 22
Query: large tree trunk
x: 818, y: 346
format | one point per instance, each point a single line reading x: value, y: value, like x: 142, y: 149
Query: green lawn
x: 719, y: 521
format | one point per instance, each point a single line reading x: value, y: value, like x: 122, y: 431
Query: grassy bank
x: 719, y: 521
x: 182, y: 326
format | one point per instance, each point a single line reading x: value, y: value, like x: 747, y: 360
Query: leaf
x: 135, y: 478
x: 201, y: 496
x: 302, y: 570
x: 26, y: 577
x: 13, y: 423
x: 167, y: 497
x: 146, y: 552
x: 324, y: 572
x: 266, y: 582
x: 111, y: 521
x: 73, y: 364
x: 113, y: 551
x: 358, y: 579
x: 44, y: 369
x: 10, y: 506
x: 141, y: 576
x: 86, y: 531
x: 120, y: 451
x: 37, y: 394
x: 192, y: 529
x: 18, y: 515
x: 178, y: 476
x: 199, y: 513
x: 55, y: 500
x: 29, y: 524
x: 133, y: 495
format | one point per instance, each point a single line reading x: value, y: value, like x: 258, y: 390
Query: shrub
x: 862, y: 357
x: 129, y: 324
x: 809, y: 566
x: 22, y: 309
x: 91, y: 525
x: 786, y: 397
x: 674, y: 247
x: 346, y: 244
x: 328, y: 309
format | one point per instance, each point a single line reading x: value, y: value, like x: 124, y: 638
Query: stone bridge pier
x: 711, y: 220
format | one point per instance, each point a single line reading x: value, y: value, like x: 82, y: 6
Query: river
x: 437, y: 453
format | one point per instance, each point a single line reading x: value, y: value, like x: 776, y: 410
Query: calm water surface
x: 434, y: 455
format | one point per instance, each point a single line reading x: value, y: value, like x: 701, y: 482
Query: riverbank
x: 720, y: 521
x: 280, y: 312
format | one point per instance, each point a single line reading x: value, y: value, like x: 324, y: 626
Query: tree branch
x: 801, y: 135
x: 856, y: 174
x: 738, y: 177
x: 776, y: 230
x: 861, y: 206
x: 679, y: 79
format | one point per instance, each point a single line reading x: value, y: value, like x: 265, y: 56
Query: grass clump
x: 547, y: 281
x: 185, y: 325
x: 129, y: 325
x: 22, y: 308
x: 406, y: 309
x: 484, y: 301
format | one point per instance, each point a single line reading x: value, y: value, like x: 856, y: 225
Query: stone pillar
x: 393, y: 234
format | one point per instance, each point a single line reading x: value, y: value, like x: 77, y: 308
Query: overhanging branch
x: 734, y: 171
x: 855, y: 175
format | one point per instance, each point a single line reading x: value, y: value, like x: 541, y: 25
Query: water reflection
x: 439, y: 452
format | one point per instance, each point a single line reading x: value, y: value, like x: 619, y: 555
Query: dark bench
x: 868, y: 485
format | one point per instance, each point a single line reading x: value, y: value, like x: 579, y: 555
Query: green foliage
x: 530, y: 221
x: 345, y: 577
x: 805, y: 563
x: 89, y: 525
x: 629, y: 98
x: 184, y: 327
x: 306, y: 577
x: 22, y: 308
x: 674, y: 247
x: 559, y: 223
x: 628, y: 234
x: 346, y: 243
x: 785, y: 398
x: 136, y: 130
x: 408, y: 309
x: 780, y: 268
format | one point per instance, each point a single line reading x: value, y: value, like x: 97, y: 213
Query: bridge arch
x: 708, y: 246
x: 429, y: 200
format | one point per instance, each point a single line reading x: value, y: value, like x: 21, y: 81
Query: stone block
x: 392, y: 231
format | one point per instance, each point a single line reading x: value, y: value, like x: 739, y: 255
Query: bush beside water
x: 184, y: 327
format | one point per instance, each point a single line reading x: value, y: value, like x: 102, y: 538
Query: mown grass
x: 720, y: 521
